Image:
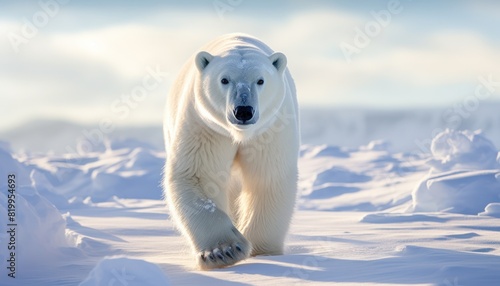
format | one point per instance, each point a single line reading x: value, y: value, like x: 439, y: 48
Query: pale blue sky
x: 86, y: 57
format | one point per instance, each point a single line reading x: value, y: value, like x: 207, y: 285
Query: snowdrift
x: 38, y: 229
x: 464, y: 175
x: 125, y: 271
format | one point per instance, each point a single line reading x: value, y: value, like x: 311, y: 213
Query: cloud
x: 445, y: 57
x: 439, y: 60
x: 91, y: 65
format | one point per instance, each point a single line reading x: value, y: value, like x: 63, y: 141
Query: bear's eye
x: 260, y: 82
x: 224, y: 81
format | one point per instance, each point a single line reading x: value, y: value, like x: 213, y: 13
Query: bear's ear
x: 202, y: 60
x: 279, y: 61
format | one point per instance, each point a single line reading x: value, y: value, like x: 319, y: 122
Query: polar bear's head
x: 240, y: 92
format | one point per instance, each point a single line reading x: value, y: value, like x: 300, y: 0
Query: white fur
x: 231, y: 186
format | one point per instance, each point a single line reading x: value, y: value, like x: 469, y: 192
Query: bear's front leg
x: 269, y: 171
x: 219, y: 243
x: 196, y: 193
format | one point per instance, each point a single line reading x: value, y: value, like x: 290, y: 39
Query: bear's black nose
x: 243, y: 113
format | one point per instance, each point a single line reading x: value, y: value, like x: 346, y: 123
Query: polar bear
x: 232, y: 141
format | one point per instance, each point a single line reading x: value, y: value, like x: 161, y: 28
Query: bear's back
x: 236, y: 42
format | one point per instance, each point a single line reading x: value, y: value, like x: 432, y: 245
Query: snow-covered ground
x: 365, y: 215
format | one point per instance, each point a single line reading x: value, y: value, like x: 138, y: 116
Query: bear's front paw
x: 224, y: 252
